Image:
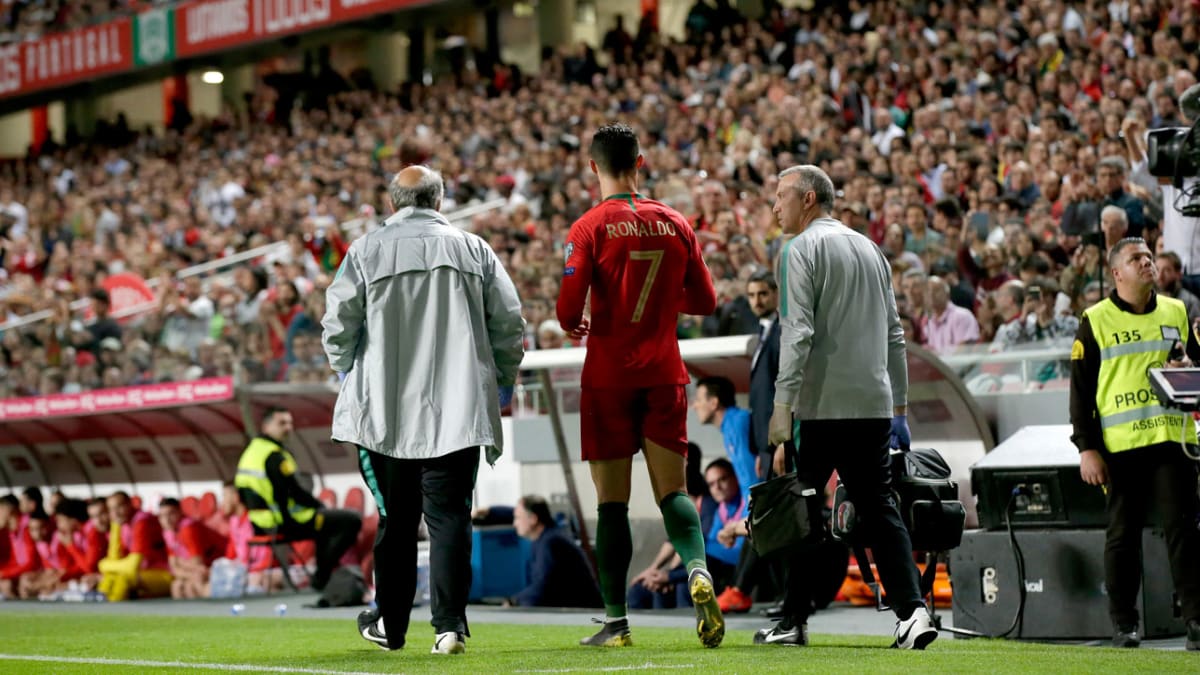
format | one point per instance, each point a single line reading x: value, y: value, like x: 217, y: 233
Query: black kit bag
x: 784, y: 513
x: 927, y: 498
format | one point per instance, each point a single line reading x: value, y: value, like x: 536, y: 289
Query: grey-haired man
x: 425, y: 325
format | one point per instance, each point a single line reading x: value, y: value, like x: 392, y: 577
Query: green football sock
x: 683, y: 529
x: 614, y: 550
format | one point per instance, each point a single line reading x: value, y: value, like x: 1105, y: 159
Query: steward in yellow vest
x: 266, y: 482
x: 277, y: 503
x: 1129, y: 443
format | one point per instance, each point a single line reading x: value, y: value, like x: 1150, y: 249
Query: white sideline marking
x: 610, y: 669
x: 243, y: 667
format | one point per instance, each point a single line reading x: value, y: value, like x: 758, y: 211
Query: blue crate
x: 498, y: 563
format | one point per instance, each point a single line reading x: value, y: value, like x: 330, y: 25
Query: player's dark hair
x: 169, y: 501
x: 33, y: 494
x: 72, y: 508
x: 615, y: 149
x: 721, y: 388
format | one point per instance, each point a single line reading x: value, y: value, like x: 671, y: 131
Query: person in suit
x: 763, y: 294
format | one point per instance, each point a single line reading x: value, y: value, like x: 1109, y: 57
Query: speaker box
x: 1043, y: 461
x: 1064, y: 580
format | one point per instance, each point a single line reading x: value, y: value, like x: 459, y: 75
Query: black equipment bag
x: 927, y: 498
x: 345, y: 588
x: 784, y: 512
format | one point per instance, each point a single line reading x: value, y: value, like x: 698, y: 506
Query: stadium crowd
x: 22, y: 20
x: 990, y: 149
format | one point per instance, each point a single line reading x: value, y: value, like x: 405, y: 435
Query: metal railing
x: 529, y: 399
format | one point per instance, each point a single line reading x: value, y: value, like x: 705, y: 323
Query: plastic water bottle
x: 237, y: 609
x: 281, y: 609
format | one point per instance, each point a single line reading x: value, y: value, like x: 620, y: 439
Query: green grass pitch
x: 267, y: 645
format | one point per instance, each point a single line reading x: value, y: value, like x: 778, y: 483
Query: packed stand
x: 992, y: 153
x: 31, y: 19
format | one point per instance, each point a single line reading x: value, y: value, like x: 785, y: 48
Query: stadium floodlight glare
x: 212, y: 77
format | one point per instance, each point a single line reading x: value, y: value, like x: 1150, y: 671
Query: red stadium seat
x: 190, y: 506
x: 328, y: 497
x: 355, y: 500
x: 208, y: 505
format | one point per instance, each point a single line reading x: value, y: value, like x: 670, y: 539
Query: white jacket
x: 426, y: 324
x: 841, y: 350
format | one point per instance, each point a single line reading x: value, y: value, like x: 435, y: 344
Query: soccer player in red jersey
x: 191, y: 549
x: 641, y: 261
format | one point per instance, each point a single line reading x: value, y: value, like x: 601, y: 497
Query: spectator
x: 1043, y: 320
x: 947, y: 325
x: 723, y: 543
x: 715, y: 403
x: 1170, y: 272
x: 559, y: 573
x: 1010, y: 308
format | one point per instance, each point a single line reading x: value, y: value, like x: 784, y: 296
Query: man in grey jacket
x: 842, y: 372
x: 425, y: 326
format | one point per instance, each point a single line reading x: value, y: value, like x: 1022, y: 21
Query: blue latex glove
x: 506, y: 394
x: 341, y: 377
x: 900, y: 437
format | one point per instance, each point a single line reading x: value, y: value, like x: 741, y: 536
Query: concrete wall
x: 16, y: 133
x: 142, y: 105
x: 387, y: 57
x: 204, y: 100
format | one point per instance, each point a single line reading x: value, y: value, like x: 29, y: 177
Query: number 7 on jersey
x: 655, y: 257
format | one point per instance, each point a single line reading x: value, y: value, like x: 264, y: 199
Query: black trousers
x: 333, y: 531
x: 858, y: 449
x: 1158, y: 476
x: 440, y: 489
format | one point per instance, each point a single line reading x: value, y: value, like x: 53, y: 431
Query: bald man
x: 425, y: 326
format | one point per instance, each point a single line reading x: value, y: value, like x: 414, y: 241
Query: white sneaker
x: 449, y: 643
x: 916, y: 632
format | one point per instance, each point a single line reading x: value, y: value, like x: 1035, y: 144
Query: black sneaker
x: 1193, y: 635
x: 1126, y: 637
x: 612, y: 634
x: 370, y: 627
x: 786, y: 632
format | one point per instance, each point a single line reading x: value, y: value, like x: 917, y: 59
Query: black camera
x: 1174, y: 152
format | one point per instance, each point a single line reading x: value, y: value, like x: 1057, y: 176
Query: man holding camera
x: 1129, y: 444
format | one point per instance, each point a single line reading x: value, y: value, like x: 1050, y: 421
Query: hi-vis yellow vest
x: 1130, y: 344
x: 252, y: 474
